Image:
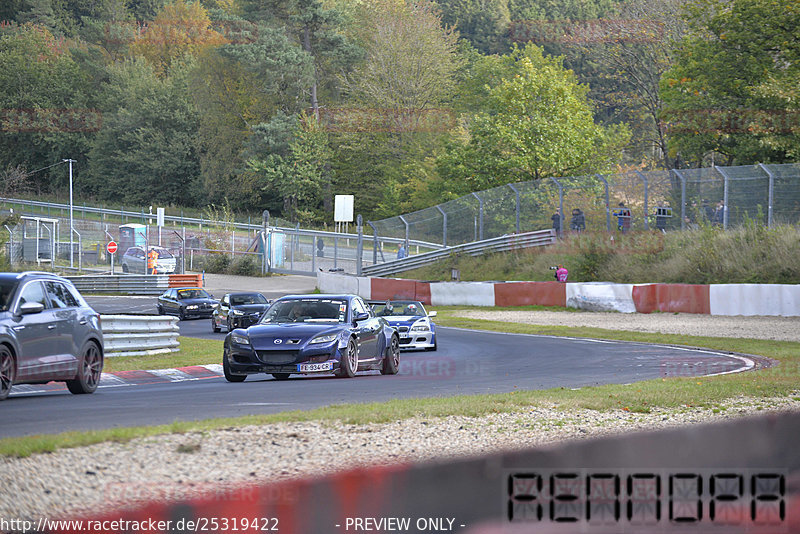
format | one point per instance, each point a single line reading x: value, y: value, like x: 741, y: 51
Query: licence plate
x: 311, y: 367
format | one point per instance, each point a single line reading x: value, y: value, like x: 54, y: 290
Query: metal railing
x: 497, y: 244
x: 126, y: 283
x: 139, y: 335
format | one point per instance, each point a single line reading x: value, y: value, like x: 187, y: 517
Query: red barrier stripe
x: 530, y: 294
x: 422, y: 292
x: 672, y: 298
x: 393, y: 288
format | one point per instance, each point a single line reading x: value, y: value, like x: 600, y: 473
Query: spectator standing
x: 623, y: 215
x: 719, y: 214
x: 562, y: 273
x: 556, y: 218
x: 578, y: 223
x: 401, y: 251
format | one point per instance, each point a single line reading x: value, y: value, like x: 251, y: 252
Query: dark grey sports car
x: 309, y: 334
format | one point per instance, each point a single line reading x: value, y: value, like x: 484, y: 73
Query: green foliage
x: 147, y: 148
x: 244, y: 266
x: 537, y: 123
x: 733, y: 89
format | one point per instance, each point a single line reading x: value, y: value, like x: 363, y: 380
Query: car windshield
x: 6, y: 291
x: 251, y: 298
x: 184, y: 294
x: 163, y: 253
x: 398, y: 308
x: 306, y: 311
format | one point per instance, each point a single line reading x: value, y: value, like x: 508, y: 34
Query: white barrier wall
x: 754, y: 299
x: 342, y: 284
x: 601, y: 296
x: 462, y: 294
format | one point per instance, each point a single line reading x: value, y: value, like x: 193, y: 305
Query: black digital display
x: 648, y: 497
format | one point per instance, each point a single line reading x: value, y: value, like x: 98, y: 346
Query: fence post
x: 770, y: 193
x: 644, y: 180
x: 725, y: 209
x: 405, y: 222
x: 444, y: 225
x: 608, y: 211
x: 516, y: 208
x: 374, y: 243
x: 683, y: 197
x: 560, y: 205
x: 360, y: 246
x: 480, y: 216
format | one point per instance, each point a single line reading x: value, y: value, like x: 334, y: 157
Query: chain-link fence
x: 654, y: 200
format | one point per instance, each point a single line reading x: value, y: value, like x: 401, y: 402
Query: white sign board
x: 160, y: 216
x: 343, y: 208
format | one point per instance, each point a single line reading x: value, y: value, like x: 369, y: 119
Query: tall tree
x: 484, y: 23
x: 538, y: 124
x: 147, y: 147
x: 733, y: 88
x: 178, y: 30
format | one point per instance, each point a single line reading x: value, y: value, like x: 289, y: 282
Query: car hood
x: 403, y: 319
x: 249, y: 308
x: 263, y: 336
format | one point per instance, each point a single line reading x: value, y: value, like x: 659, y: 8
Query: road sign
x: 111, y: 248
x: 343, y: 208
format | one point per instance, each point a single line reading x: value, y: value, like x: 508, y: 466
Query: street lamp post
x: 71, y: 224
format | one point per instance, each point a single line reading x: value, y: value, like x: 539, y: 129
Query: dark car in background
x: 309, y: 334
x: 186, y: 303
x: 238, y: 310
x: 47, y: 333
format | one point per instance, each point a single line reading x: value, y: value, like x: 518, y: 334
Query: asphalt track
x: 467, y: 362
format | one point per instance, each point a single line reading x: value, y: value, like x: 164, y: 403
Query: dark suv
x: 47, y: 332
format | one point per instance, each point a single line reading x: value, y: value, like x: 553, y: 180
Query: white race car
x: 413, y: 323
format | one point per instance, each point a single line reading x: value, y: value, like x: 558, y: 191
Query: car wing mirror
x: 432, y: 314
x: 31, y: 307
x: 360, y: 317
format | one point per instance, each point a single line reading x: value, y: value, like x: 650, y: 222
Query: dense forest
x: 282, y: 104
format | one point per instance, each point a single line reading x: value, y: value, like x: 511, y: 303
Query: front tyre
x: 214, y: 325
x: 7, y: 371
x: 89, y: 371
x: 391, y: 362
x: 349, y: 362
x: 226, y: 370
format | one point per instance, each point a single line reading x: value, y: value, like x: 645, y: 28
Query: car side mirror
x: 432, y: 314
x: 360, y: 317
x: 31, y: 307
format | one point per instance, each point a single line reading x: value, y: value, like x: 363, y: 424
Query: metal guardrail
x: 496, y: 244
x: 139, y: 335
x: 125, y: 283
x: 199, y: 221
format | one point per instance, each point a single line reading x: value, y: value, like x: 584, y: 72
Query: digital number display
x: 648, y: 498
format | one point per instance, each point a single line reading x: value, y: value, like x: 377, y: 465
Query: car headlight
x: 420, y: 328
x: 240, y: 339
x: 324, y: 339
x: 192, y: 307
x: 238, y: 312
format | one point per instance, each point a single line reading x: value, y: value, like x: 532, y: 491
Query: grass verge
x: 674, y: 393
x: 194, y: 351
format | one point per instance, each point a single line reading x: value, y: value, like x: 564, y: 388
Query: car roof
x: 31, y: 274
x: 239, y: 293
x: 319, y: 296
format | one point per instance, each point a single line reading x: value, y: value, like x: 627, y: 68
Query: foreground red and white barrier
x: 713, y: 299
